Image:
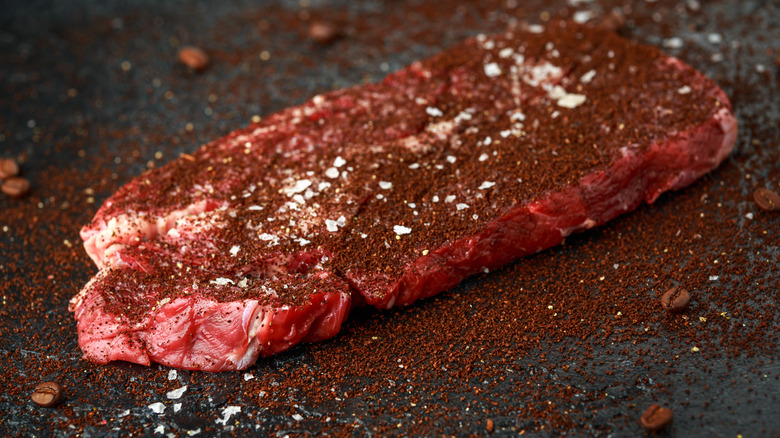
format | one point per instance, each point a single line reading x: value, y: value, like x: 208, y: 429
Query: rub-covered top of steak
x: 385, y: 186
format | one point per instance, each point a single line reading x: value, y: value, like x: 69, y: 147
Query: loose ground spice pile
x: 572, y: 340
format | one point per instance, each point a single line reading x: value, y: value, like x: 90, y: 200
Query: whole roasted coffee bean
x: 655, y: 418
x: 324, y: 32
x: 194, y: 58
x: 15, y: 186
x: 47, y: 394
x: 613, y: 21
x: 767, y: 199
x: 8, y: 168
x: 675, y: 299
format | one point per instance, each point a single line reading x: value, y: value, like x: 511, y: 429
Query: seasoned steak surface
x: 386, y: 193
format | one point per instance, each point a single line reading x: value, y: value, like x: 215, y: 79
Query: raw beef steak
x: 390, y: 192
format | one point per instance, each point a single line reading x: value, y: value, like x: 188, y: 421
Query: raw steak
x: 390, y: 192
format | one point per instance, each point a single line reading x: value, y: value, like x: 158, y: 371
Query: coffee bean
x: 194, y: 58
x: 655, y: 418
x: 15, y: 186
x: 8, y: 168
x: 47, y: 394
x: 675, y: 299
x: 324, y: 32
x: 767, y: 199
x: 614, y: 21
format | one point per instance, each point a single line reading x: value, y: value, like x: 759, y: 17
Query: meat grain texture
x: 387, y: 193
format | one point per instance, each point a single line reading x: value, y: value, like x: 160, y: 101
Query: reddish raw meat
x: 391, y: 192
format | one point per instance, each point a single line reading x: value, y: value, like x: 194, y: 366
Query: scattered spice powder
x: 571, y: 340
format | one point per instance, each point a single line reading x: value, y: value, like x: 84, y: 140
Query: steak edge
x: 388, y: 193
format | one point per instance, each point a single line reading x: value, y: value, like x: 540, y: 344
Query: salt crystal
x: 714, y: 277
x: 297, y: 417
x: 449, y: 198
x: 176, y: 393
x: 433, y: 112
x: 176, y: 407
x: 159, y: 429
x: 332, y: 172
x: 338, y: 162
x: 506, y: 53
x: 582, y: 16
x: 435, y: 198
x: 486, y: 185
x: 331, y: 225
x: 587, y: 77
x: 400, y: 230
x: 234, y: 250
x: 157, y: 408
x: 684, y: 89
x: 483, y: 157
x: 492, y: 70
x: 673, y: 43
x: 222, y: 281
x: 227, y: 413
x: 461, y: 206
x: 451, y: 159
x: 571, y: 100
x: 173, y: 375
x: 385, y: 185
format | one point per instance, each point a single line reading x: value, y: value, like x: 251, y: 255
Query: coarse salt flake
x: 517, y: 116
x: 248, y: 376
x: 492, y: 70
x: 222, y: 281
x: 433, y: 112
x: 234, y: 250
x: 684, y: 89
x: 157, y: 408
x: 332, y: 172
x: 300, y: 186
x: 673, y: 43
x: 714, y: 277
x: 571, y: 100
x: 176, y: 407
x: 338, y: 162
x: 267, y: 237
x: 331, y: 225
x: 176, y: 393
x: 297, y: 417
x: 582, y: 16
x: 535, y: 28
x: 227, y: 413
x: 173, y: 375
x: 159, y: 429
x: 400, y: 230
x: 483, y: 157
x: 506, y: 53
x: 461, y: 206
x: 254, y: 208
x: 486, y: 185
x: 449, y: 198
x: 587, y: 77
x: 451, y: 159
x: 385, y: 185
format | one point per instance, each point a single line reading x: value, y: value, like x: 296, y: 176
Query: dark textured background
x: 91, y: 95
